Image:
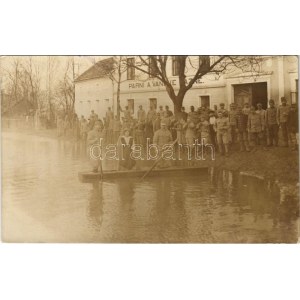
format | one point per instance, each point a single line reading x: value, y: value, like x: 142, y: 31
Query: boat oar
x: 100, y: 165
x: 155, y: 163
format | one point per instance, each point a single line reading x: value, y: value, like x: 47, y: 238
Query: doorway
x: 252, y: 93
x: 153, y: 103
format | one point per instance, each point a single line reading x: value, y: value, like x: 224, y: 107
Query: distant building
x: 94, y: 90
x: 277, y: 77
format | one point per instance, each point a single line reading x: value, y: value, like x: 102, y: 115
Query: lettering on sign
x: 157, y: 83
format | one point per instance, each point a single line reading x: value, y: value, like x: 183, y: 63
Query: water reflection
x: 44, y: 201
x: 95, y: 205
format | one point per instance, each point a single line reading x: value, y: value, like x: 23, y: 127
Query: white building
x: 277, y: 77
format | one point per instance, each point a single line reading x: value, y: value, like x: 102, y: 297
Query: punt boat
x: 114, y: 174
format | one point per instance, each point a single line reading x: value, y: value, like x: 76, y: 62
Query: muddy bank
x: 274, y: 163
x: 279, y: 164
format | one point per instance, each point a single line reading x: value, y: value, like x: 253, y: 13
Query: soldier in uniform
x: 282, y: 118
x: 149, y: 123
x: 183, y: 114
x: 180, y: 131
x: 255, y: 127
x: 232, y: 123
x: 161, y: 110
x: 126, y: 124
x: 221, y: 127
x: 162, y: 137
x: 151, y: 114
x: 140, y: 133
x: 192, y: 115
x: 204, y: 130
x: 222, y: 109
x: 141, y: 114
x: 272, y: 124
x: 212, y: 121
x: 156, y: 122
x: 168, y: 112
x: 109, y: 115
x: 246, y: 109
x: 127, y: 114
x: 83, y: 128
x: 262, y: 113
x: 165, y: 118
x: 293, y: 125
x: 92, y: 115
x: 241, y: 129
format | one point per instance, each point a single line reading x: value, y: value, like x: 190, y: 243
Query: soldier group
x: 239, y: 128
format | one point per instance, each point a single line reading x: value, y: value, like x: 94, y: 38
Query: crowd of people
x: 239, y: 128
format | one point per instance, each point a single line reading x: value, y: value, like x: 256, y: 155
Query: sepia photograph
x: 150, y: 149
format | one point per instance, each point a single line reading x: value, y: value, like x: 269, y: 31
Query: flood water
x: 43, y: 201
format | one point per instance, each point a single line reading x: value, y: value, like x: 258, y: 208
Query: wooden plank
x: 91, y: 176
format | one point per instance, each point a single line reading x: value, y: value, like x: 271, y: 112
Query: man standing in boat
x: 93, y: 139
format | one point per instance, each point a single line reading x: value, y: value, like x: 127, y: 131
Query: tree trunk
x: 177, y: 101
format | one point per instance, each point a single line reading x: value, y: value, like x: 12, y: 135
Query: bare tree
x: 32, y: 80
x: 188, y: 72
x: 114, y: 70
x: 65, y: 90
x: 24, y: 83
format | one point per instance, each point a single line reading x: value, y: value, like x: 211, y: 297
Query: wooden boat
x: 107, y: 175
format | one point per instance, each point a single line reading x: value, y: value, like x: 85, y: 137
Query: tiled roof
x: 98, y: 70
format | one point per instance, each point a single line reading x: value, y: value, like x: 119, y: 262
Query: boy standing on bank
x: 222, y: 127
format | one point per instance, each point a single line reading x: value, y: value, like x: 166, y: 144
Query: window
x: 131, y: 105
x: 153, y: 102
x: 130, y: 68
x: 151, y: 70
x: 175, y: 66
x: 205, y: 101
x: 204, y: 63
x: 294, y: 95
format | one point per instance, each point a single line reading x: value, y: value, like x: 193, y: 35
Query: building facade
x: 276, y: 76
